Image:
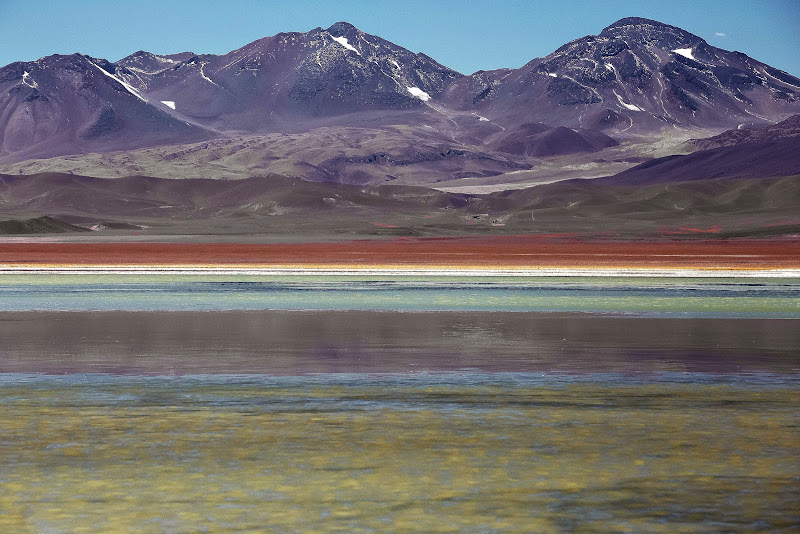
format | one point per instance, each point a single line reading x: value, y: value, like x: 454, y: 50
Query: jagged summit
x: 140, y: 53
x: 150, y: 63
x: 651, y: 32
x: 637, y: 22
x: 342, y: 28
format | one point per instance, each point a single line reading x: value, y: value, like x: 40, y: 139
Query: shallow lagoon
x: 422, y: 453
x: 193, y: 404
x: 655, y: 297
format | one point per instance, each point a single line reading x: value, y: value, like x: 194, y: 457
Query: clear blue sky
x: 464, y: 35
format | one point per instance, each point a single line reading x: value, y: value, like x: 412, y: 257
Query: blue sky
x: 463, y: 35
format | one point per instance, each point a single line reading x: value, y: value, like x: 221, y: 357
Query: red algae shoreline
x: 511, y: 252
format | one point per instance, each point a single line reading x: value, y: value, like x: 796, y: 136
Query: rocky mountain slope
x: 260, y: 86
x: 77, y: 104
x: 636, y: 76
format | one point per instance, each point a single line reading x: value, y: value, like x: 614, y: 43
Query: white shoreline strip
x: 412, y: 271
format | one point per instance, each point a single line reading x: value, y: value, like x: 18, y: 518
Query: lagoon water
x: 619, y: 295
x: 214, y: 403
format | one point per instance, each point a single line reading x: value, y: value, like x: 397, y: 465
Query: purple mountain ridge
x: 73, y: 104
x: 638, y: 77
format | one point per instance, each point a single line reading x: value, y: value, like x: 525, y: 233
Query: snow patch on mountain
x: 626, y: 105
x: 419, y: 93
x: 343, y: 41
x: 206, y: 78
x: 32, y: 83
x: 609, y: 67
x: 129, y: 88
x: 685, y: 52
x: 764, y: 72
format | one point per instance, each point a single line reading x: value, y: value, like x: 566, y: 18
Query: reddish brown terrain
x: 510, y: 251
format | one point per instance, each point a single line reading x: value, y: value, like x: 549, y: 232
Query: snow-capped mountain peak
x: 637, y: 76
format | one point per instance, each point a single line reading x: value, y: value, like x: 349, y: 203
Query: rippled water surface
x: 190, y: 404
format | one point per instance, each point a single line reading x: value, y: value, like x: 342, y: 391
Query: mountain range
x: 640, y: 103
